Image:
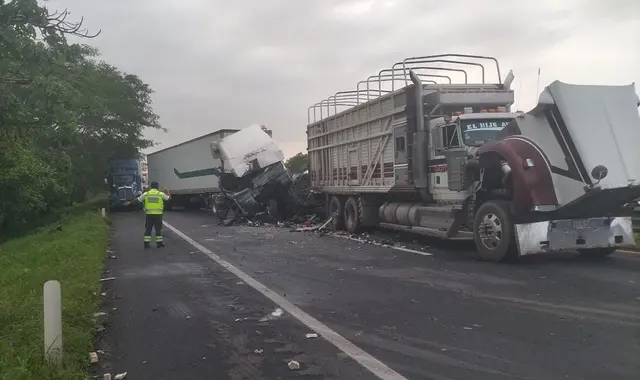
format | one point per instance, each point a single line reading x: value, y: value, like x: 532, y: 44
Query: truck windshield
x: 123, y: 179
x: 481, y: 131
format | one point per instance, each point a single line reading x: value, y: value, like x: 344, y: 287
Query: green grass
x: 74, y: 256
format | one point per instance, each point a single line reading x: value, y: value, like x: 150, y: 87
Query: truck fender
x: 532, y: 186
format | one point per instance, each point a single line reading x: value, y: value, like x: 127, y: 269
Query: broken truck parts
x: 253, y: 178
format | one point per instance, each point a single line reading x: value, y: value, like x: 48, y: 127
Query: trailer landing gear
x: 493, y: 232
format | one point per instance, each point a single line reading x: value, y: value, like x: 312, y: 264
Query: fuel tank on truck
x: 588, y: 136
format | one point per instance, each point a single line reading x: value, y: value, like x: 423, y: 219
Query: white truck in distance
x: 451, y: 160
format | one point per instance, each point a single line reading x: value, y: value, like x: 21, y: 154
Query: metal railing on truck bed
x: 349, y: 134
x: 424, y: 67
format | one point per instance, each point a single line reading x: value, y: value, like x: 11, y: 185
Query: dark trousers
x: 153, y: 221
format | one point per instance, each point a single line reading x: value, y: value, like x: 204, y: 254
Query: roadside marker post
x: 52, y: 322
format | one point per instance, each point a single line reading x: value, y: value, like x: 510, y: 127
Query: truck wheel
x: 352, y: 217
x: 596, y: 253
x: 493, y: 232
x: 336, y: 209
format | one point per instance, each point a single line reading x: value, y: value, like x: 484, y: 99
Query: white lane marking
x: 385, y: 245
x: 628, y: 252
x: 372, y: 364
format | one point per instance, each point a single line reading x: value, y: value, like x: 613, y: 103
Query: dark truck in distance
x: 124, y: 182
x: 450, y: 159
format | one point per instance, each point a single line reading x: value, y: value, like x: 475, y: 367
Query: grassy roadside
x: 72, y: 255
x: 637, y: 247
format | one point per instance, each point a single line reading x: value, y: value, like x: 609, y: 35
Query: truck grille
x: 125, y: 194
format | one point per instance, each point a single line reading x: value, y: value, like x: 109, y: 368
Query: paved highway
x: 237, y: 303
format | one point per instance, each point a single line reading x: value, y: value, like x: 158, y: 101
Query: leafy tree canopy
x: 297, y: 164
x: 63, y: 114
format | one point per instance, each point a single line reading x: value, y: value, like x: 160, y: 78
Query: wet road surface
x: 180, y: 314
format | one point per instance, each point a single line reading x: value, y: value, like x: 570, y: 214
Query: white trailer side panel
x: 354, y: 150
x: 186, y: 168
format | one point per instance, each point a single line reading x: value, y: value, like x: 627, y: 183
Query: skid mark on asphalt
x: 372, y: 364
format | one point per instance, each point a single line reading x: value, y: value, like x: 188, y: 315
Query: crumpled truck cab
x: 253, y: 174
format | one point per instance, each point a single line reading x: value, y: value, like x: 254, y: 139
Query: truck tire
x: 336, y: 208
x: 596, y: 253
x: 493, y: 232
x: 352, y: 215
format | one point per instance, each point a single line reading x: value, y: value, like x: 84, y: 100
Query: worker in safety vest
x: 153, y: 201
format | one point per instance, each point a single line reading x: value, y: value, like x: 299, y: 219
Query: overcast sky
x: 227, y: 64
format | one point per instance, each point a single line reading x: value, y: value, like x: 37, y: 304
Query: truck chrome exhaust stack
x: 421, y: 167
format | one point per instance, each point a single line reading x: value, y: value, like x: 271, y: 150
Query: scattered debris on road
x: 277, y: 313
x: 93, y: 357
x: 107, y: 279
x: 312, y: 335
x: 294, y: 365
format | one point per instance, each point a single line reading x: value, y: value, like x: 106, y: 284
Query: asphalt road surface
x: 237, y: 302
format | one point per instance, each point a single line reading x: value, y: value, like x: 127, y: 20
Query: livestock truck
x: 449, y: 159
x: 124, y: 181
x: 187, y: 170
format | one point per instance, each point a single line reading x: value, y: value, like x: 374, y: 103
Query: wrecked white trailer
x: 253, y: 178
x: 187, y: 171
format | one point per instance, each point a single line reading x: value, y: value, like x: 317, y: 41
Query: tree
x: 298, y: 163
x: 64, y: 113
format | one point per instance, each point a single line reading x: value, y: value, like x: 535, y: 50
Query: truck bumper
x: 570, y: 235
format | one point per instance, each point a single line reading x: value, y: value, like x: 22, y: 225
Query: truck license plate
x: 580, y: 224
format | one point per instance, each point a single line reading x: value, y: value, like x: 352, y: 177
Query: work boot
x: 160, y: 245
x: 147, y: 245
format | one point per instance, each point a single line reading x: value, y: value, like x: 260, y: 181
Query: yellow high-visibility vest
x: 154, y: 202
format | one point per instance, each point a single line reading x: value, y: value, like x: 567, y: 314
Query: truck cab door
x: 455, y: 156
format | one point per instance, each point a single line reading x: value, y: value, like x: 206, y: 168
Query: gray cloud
x: 224, y: 64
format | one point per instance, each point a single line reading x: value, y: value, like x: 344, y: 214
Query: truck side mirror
x: 599, y: 172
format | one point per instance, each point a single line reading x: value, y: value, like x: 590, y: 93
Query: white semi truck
x: 451, y: 159
x: 187, y: 170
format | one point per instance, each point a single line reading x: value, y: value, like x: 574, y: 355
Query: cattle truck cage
x: 361, y: 141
